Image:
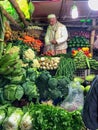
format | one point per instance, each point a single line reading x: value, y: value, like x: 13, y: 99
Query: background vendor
x: 56, y: 36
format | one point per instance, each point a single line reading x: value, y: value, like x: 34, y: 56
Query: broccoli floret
x: 44, y: 76
x: 63, y: 85
x: 52, y: 83
x: 42, y: 83
x: 55, y: 93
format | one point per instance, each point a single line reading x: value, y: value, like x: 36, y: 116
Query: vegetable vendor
x: 56, y: 36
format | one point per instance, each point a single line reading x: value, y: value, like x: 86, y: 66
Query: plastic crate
x: 81, y: 73
x: 92, y: 71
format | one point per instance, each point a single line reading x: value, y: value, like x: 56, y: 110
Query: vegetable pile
x: 39, y: 117
x: 78, y: 41
x: 66, y: 68
x: 49, y: 63
x: 14, y: 88
x: 51, y: 87
x: 85, y: 50
x: 83, y: 61
x: 34, y: 43
x: 35, y: 27
x: 80, y: 33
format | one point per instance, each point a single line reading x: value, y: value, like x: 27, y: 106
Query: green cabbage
x: 12, y: 92
x: 30, y: 90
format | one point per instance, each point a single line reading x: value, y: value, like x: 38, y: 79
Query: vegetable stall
x: 38, y: 91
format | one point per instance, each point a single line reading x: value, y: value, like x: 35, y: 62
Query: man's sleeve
x: 47, y: 41
x: 90, y: 110
x: 64, y: 35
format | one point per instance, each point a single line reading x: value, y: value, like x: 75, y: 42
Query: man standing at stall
x: 56, y: 36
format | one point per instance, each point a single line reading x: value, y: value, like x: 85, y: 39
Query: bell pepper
x: 90, y: 55
x: 74, y: 52
x: 85, y: 49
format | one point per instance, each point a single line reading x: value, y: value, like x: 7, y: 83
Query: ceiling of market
x: 62, y: 9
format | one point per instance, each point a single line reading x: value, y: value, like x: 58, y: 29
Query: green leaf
x: 19, y: 92
x: 9, y: 92
x: 31, y: 8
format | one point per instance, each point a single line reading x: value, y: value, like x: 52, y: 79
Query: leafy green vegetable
x: 30, y: 90
x: 63, y: 85
x: 19, y: 92
x: 2, y: 100
x: 26, y: 122
x: 52, y: 83
x: 48, y: 117
x: 12, y: 92
x: 40, y: 117
x: 2, y: 115
x: 9, y: 92
x: 52, y: 87
x: 54, y: 93
x: 42, y: 83
x: 44, y: 76
x: 66, y: 68
x: 17, y: 79
x: 12, y: 122
x: 32, y: 74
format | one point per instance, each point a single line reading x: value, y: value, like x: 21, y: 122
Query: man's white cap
x: 51, y: 16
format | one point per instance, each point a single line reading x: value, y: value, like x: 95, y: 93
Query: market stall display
x: 29, y: 91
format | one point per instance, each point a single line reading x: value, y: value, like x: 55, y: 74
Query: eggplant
x: 85, y: 83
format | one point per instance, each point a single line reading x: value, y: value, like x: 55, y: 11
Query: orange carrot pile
x: 31, y: 41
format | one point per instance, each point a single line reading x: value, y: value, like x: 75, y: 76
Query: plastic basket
x: 81, y: 73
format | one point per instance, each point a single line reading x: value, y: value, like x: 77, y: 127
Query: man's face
x: 52, y: 21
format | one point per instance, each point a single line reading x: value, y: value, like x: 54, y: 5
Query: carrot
x: 34, y: 43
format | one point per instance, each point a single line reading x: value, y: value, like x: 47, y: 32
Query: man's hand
x: 54, y: 42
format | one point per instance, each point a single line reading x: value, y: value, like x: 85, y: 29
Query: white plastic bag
x: 49, y: 48
x: 75, y: 98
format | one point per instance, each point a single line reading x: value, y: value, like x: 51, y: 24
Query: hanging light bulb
x: 93, y: 4
x: 74, y: 12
